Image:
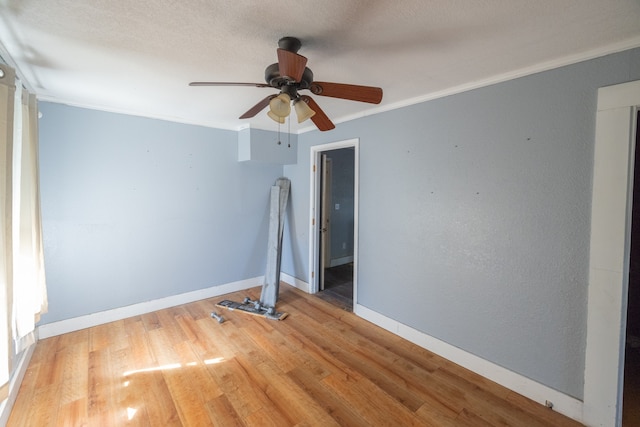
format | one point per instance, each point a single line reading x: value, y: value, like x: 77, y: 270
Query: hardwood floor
x: 321, y: 366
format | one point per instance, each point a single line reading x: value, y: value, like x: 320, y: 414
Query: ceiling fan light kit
x: 281, y: 105
x: 289, y: 75
x: 303, y: 111
x: 275, y: 117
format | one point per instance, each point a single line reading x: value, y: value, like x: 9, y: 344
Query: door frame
x: 612, y: 201
x: 314, y: 227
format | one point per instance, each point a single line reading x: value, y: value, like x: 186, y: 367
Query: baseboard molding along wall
x: 562, y: 403
x: 95, y: 319
x: 296, y: 283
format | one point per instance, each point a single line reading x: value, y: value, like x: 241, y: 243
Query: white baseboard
x: 297, y: 283
x: 94, y: 319
x: 340, y: 261
x: 562, y: 403
x: 14, y: 384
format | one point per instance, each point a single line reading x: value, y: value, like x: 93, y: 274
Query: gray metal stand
x: 279, y: 198
x: 266, y: 307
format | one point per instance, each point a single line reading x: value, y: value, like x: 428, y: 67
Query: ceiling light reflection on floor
x: 170, y: 366
x: 214, y: 361
x: 158, y: 368
x: 131, y: 412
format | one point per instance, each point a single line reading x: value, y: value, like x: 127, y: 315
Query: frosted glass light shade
x: 281, y: 105
x: 275, y: 118
x: 303, y: 111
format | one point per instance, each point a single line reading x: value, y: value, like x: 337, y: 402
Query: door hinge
x: 314, y: 168
x: 313, y: 221
x: 313, y: 274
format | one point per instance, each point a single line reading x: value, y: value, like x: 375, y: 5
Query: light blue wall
x: 475, y: 216
x: 474, y: 213
x: 257, y: 145
x: 136, y: 209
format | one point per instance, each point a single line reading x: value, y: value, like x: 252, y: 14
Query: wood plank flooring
x: 322, y: 366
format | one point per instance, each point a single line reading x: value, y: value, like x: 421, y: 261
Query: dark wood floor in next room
x: 338, y: 286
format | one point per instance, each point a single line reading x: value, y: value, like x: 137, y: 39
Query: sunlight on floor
x: 130, y: 413
x: 170, y: 366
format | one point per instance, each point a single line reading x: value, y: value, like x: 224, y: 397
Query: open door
x: 325, y: 218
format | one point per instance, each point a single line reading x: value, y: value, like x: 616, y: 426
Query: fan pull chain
x: 289, y: 136
x: 279, y: 134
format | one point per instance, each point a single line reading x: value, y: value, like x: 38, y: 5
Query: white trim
x: 631, y: 43
x: 295, y: 282
x: 618, y: 96
x: 612, y: 201
x: 14, y: 384
x: 94, y: 319
x: 314, y: 212
x: 562, y: 403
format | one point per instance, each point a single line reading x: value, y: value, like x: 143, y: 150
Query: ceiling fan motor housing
x: 273, y: 78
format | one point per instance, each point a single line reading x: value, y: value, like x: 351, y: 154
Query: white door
x: 325, y: 219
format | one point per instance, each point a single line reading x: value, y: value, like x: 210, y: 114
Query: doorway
x: 631, y: 390
x: 334, y: 208
x: 610, y: 251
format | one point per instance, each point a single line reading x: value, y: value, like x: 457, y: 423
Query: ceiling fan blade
x: 228, y: 84
x: 291, y: 64
x: 257, y: 108
x: 320, y: 119
x: 369, y: 94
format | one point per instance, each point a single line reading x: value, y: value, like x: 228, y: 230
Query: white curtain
x: 23, y: 295
x: 7, y: 98
x: 29, y: 291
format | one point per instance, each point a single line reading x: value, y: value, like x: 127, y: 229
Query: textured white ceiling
x: 137, y: 57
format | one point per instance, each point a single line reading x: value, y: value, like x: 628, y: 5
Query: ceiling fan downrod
x: 292, y: 44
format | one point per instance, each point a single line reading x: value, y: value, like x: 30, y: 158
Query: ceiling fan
x: 289, y: 75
